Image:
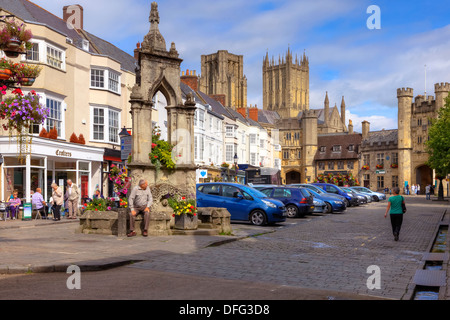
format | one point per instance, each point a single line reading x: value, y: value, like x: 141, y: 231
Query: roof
x: 185, y: 90
x: 32, y: 13
x: 216, y: 106
x: 381, y: 137
x: 268, y: 116
x: 343, y: 140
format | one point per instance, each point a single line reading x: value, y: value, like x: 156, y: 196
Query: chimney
x: 350, y: 127
x: 136, y: 51
x: 365, y: 129
x: 190, y: 79
x: 242, y: 111
x: 253, y: 113
x: 73, y: 16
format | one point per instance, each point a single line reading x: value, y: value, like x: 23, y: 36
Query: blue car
x: 350, y: 199
x: 333, y: 204
x: 242, y: 202
x: 298, y: 201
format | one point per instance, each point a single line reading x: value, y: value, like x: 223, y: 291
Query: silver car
x: 376, y: 196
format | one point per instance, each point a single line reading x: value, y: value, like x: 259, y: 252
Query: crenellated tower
x: 441, y: 91
x: 286, y: 84
x: 405, y: 98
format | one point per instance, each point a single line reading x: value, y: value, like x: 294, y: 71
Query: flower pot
x: 5, y: 74
x: 13, y: 43
x: 11, y: 53
x: 27, y: 81
x: 186, y: 222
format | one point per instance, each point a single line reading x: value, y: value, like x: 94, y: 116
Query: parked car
x: 376, y: 196
x: 319, y: 205
x: 350, y: 199
x: 332, y: 203
x: 362, y: 198
x: 243, y: 202
x: 261, y: 186
x: 298, y: 201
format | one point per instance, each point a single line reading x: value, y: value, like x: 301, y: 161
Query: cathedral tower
x: 405, y: 97
x: 223, y: 75
x: 286, y: 85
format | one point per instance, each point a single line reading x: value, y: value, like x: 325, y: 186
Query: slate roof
x: 216, y: 106
x: 381, y: 137
x: 185, y: 90
x: 31, y: 12
x: 344, y: 140
x: 268, y: 116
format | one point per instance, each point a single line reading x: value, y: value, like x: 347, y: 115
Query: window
x: 252, y: 138
x: 261, y: 143
x: 201, y: 119
x: 99, y: 124
x: 285, y: 154
x: 350, y: 165
x: 395, y: 158
x: 113, y: 126
x: 330, y: 165
x: 229, y: 153
x: 282, y: 193
x: 366, y: 159
x: 230, y: 191
x: 380, y: 158
x: 55, y: 57
x: 419, y: 139
x: 394, y: 181
x: 54, y: 119
x: 351, y: 147
x: 380, y: 182
x: 299, y: 154
x: 321, y: 165
x: 33, y: 53
x: 99, y: 77
x: 322, y: 149
x: 105, y: 125
x: 336, y: 148
x: 229, y: 131
x: 340, y: 165
x: 253, y: 158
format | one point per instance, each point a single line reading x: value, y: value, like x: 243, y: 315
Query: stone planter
x: 186, y: 222
x: 99, y: 222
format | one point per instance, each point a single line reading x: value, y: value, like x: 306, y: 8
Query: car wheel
x: 329, y: 208
x: 292, y: 211
x: 375, y: 198
x: 258, y: 218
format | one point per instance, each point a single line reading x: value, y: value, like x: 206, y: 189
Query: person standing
x: 58, y: 200
x: 38, y: 203
x: 72, y: 196
x: 140, y: 201
x: 428, y: 192
x: 395, y: 210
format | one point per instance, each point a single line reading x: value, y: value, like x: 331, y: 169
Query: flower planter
x: 13, y: 43
x: 12, y: 53
x: 5, y: 74
x: 27, y: 81
x: 186, y: 222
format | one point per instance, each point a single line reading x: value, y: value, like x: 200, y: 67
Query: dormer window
x: 336, y: 148
x: 322, y: 149
x: 351, y: 147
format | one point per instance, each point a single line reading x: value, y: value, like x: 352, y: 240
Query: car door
x: 208, y: 195
x: 282, y: 194
x: 233, y: 200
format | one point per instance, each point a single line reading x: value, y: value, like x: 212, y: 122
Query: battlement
x: 442, y: 87
x: 405, y: 92
x: 309, y: 114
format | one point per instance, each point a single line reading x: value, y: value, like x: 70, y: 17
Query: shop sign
x: 63, y: 153
x: 27, y: 211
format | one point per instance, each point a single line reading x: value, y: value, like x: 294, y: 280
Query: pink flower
x: 109, y: 208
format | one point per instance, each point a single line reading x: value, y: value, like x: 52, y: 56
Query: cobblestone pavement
x: 330, y: 252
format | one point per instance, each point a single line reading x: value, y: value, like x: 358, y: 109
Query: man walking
x: 72, y: 195
x: 140, y: 201
x: 428, y: 192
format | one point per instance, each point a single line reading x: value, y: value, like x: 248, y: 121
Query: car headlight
x: 338, y: 202
x: 350, y: 195
x: 269, y: 204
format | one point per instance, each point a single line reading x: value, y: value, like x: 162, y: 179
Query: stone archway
x: 293, y: 177
x: 424, y: 177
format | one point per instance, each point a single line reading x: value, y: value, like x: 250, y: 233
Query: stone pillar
x: 405, y: 96
x: 309, y: 141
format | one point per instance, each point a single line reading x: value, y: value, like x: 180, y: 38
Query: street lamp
x: 236, y: 164
x: 124, y: 133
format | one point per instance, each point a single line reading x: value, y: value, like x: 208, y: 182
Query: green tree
x: 438, y: 145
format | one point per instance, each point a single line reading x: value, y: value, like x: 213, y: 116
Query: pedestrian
x: 140, y: 201
x: 413, y: 189
x: 14, y: 204
x: 428, y: 192
x: 38, y: 203
x: 58, y: 200
x: 418, y: 189
x: 72, y: 195
x: 407, y: 189
x: 395, y: 209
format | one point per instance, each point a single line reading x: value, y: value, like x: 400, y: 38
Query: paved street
x: 316, y: 257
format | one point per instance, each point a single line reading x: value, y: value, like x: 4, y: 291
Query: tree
x: 438, y: 145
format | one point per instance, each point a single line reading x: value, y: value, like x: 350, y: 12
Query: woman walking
x: 395, y: 209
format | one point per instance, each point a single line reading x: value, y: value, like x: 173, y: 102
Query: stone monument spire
x: 154, y: 39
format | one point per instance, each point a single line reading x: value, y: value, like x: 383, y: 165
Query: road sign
x: 125, y: 147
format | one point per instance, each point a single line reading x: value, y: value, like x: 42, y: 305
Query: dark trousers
x: 56, y: 212
x: 396, y: 222
x: 146, y: 218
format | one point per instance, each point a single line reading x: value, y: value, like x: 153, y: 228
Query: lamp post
x: 235, y: 164
x: 125, y: 143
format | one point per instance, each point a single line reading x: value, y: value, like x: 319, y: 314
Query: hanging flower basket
x: 21, y: 112
x: 379, y: 166
x: 365, y: 167
x: 5, y: 69
x: 27, y: 81
x: 25, y: 74
x: 394, y: 165
x: 15, y: 38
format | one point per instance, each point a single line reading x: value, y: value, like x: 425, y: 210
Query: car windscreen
x: 254, y: 193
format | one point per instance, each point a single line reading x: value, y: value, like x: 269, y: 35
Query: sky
x: 347, y: 57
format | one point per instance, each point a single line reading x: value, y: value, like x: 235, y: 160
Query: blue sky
x: 346, y: 58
